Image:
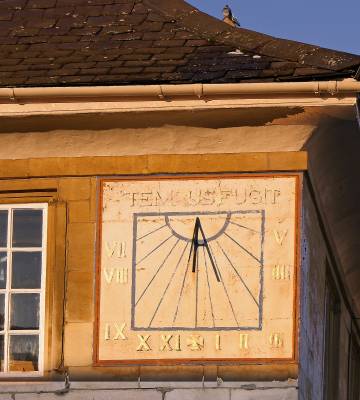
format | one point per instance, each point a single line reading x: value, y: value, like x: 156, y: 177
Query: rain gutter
x: 24, y: 95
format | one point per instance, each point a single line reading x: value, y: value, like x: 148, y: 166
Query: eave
x: 89, y: 99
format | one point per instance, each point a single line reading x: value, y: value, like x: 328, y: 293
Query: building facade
x: 177, y: 212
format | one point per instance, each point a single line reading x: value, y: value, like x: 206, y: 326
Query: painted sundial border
x: 97, y: 362
x: 223, y: 229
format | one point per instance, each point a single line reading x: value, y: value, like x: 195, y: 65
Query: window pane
x: 27, y: 228
x: 2, y: 311
x: 25, y: 311
x: 3, y: 262
x: 26, y: 270
x: 24, y: 353
x: 3, y: 227
x: 2, y: 353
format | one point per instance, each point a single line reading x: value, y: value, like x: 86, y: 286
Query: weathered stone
x: 80, y: 257
x: 78, y: 344
x: 93, y: 395
x: 74, y: 189
x: 198, y: 394
x: 79, y: 295
x: 265, y: 394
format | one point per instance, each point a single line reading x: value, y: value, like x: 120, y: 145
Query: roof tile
x: 85, y: 42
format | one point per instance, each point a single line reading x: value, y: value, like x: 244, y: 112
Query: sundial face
x: 197, y: 269
x: 206, y: 278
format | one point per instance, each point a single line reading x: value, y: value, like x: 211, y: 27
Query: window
x: 22, y: 281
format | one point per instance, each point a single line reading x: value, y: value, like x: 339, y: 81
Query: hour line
x: 197, y: 291
x: 243, y: 226
x: 243, y: 248
x: 150, y: 233
x: 226, y: 292
x: 180, y: 294
x: 158, y: 270
x: 237, y: 273
x: 158, y: 246
x: 168, y: 285
x: 207, y: 278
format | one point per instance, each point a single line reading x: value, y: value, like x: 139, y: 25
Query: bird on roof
x: 229, y: 18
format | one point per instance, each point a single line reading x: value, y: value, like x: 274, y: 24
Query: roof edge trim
x: 167, y: 92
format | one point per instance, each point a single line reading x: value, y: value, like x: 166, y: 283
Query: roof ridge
x: 252, y: 41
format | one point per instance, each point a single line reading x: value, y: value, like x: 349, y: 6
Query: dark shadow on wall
x: 217, y: 118
x: 334, y: 170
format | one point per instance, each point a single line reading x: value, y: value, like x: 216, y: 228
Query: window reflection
x: 25, y: 311
x: 2, y: 311
x: 24, y: 352
x: 27, y: 228
x: 26, y: 270
x: 3, y: 227
x: 21, y: 259
x: 3, y: 264
x: 2, y: 353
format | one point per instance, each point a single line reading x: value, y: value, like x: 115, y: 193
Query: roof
x: 123, y: 42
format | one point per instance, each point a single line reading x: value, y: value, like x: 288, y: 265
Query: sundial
x: 194, y: 274
x: 197, y: 269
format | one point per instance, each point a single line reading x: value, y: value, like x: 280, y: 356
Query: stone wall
x: 314, y: 263
x: 313, y: 266
x: 73, y: 215
x: 152, y: 391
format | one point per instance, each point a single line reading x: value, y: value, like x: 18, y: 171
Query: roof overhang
x: 89, y: 99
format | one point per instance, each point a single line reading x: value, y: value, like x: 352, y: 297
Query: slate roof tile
x: 124, y: 42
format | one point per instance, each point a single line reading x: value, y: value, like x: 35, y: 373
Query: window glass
x: 3, y: 227
x: 21, y: 292
x: 27, y: 228
x: 25, y: 311
x: 2, y: 311
x: 3, y: 269
x: 26, y: 270
x: 2, y: 365
x: 24, y: 353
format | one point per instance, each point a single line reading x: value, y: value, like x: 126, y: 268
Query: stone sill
x: 58, y: 387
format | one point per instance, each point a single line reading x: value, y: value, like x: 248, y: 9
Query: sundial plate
x: 197, y: 269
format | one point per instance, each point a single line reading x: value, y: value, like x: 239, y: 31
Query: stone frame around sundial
x: 114, y: 336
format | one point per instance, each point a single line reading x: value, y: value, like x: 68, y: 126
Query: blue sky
x: 327, y: 23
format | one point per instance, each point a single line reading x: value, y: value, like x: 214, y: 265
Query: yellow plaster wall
x: 59, y: 166
x: 158, y: 140
x: 71, y: 259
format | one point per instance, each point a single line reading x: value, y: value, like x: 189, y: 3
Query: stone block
x: 78, y: 344
x: 79, y: 211
x: 74, y: 189
x: 210, y: 373
x: 265, y: 394
x: 198, y: 394
x: 79, y: 294
x: 94, y: 395
x: 81, y: 241
x: 93, y: 200
x: 97, y: 378
x: 264, y: 372
x: 166, y: 373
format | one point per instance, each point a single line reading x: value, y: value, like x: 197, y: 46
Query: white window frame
x: 7, y: 291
